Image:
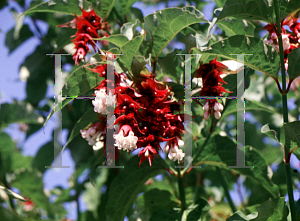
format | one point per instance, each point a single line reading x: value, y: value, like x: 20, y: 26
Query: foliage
x: 149, y: 52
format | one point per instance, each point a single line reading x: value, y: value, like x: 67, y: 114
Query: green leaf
x: 125, y: 6
x: 138, y: 64
x: 290, y: 136
x: 30, y: 184
x: 238, y: 215
x: 264, y: 59
x: 7, y: 215
x: 56, y: 108
x: 126, y: 185
x: 178, y: 89
x: 171, y: 65
x: 119, y: 40
x: 61, y: 6
x: 90, y: 116
x: 44, y: 157
x: 19, y: 161
x: 270, y: 133
x: 288, y: 8
x: 12, y: 41
x: 220, y: 152
x: 151, y: 201
x: 236, y: 27
x: 6, y: 153
x: 250, y: 106
x: 104, y: 7
x: 259, y: 172
x: 247, y: 9
x: 272, y: 209
x: 172, y: 214
x: 18, y: 112
x: 196, y: 211
x: 162, y: 26
x: 36, y: 86
x: 258, y: 9
x: 129, y: 50
x: 294, y: 63
x: 80, y: 82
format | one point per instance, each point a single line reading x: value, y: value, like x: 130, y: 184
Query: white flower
x: 125, y: 143
x: 100, y: 101
x: 285, y: 42
x: 176, y: 154
x: 206, y: 115
x: 218, y: 106
x: 90, y: 135
x: 110, y: 101
x: 217, y: 115
x: 132, y: 140
x: 98, y: 145
x: 206, y: 106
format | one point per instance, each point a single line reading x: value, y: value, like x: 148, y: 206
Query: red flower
x: 87, y: 25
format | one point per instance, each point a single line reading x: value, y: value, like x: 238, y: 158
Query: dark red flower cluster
x: 290, y: 40
x: 212, y: 86
x: 145, y: 113
x: 87, y: 25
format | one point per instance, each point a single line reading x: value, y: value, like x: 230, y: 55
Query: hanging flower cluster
x: 88, y: 26
x: 290, y: 40
x: 144, y: 111
x: 212, y: 86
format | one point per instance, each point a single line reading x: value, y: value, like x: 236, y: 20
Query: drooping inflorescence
x: 212, y: 86
x: 88, y: 26
x: 145, y: 112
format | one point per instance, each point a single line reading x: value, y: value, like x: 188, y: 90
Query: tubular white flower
x: 217, y: 115
x: 100, y: 101
x: 206, y: 115
x: 132, y: 140
x: 206, y: 106
x: 98, y: 145
x: 218, y: 106
x: 90, y: 135
x: 125, y: 143
x: 285, y: 42
x: 111, y: 99
x: 176, y: 154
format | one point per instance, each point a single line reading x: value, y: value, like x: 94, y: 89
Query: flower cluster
x: 290, y: 40
x: 88, y: 25
x: 212, y: 86
x: 145, y: 113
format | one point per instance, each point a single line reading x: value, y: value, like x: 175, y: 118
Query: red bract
x: 290, y: 40
x: 88, y: 25
x: 212, y: 86
x: 144, y: 112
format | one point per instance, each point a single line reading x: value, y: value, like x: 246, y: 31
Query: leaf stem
x: 285, y: 114
x: 181, y: 191
x: 11, y: 202
x: 225, y: 187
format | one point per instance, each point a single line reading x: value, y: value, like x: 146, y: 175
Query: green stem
x: 285, y: 115
x: 225, y: 187
x: 181, y: 191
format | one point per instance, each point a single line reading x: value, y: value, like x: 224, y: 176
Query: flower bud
x: 206, y: 106
x: 217, y: 115
x: 218, y: 107
x: 206, y: 115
